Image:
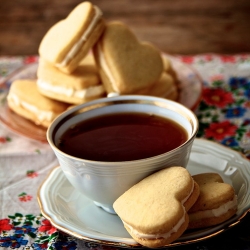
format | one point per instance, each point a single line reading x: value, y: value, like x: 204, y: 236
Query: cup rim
x: 144, y: 99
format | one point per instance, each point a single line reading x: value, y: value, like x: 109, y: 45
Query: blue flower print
x: 235, y: 112
x: 69, y: 245
x: 230, y: 142
x: 247, y: 93
x: 25, y: 229
x: 12, y: 241
x: 43, y: 246
x: 238, y: 82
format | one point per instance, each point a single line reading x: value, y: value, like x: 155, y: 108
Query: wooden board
x: 178, y: 27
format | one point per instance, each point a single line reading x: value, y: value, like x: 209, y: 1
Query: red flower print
x: 47, y: 227
x: 217, y: 97
x: 4, y: 139
x: 208, y: 57
x: 4, y: 225
x: 217, y: 78
x: 220, y: 130
x: 24, y: 197
x: 247, y: 104
x: 31, y: 174
x: 244, y: 57
x: 188, y: 59
x: 228, y: 58
x: 30, y: 59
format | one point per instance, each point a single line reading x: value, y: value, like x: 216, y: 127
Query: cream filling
x: 76, y: 47
x: 41, y: 115
x: 106, y: 69
x: 167, y: 234
x: 156, y: 236
x: 70, y: 92
x: 217, y: 211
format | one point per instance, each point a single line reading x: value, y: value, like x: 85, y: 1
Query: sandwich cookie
x: 80, y: 86
x: 25, y: 100
x: 69, y: 40
x: 154, y: 211
x: 126, y: 65
x: 217, y: 201
x: 165, y: 88
x: 168, y: 67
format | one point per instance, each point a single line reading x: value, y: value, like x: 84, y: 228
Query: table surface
x: 178, y: 27
x: 224, y: 117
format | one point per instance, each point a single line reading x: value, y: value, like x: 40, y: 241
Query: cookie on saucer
x: 217, y: 202
x: 25, y: 100
x: 154, y: 211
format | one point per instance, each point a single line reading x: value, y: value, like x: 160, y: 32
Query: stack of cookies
x: 160, y: 208
x: 82, y: 58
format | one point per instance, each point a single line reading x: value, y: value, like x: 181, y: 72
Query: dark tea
x: 122, y: 137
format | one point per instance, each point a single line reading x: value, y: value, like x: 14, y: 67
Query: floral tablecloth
x: 224, y: 117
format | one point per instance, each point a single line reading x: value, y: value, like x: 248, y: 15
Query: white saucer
x: 76, y: 215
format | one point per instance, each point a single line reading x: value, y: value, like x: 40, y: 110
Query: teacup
x: 104, y: 181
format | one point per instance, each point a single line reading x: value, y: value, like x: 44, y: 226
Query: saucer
x: 72, y: 212
x: 190, y: 91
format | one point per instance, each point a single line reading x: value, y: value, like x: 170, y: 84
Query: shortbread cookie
x: 154, y: 211
x: 217, y: 201
x: 165, y: 87
x: 126, y: 65
x: 168, y: 67
x: 82, y: 85
x: 69, y: 40
x: 25, y: 100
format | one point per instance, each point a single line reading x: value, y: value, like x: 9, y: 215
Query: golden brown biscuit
x: 25, y: 100
x: 167, y: 67
x: 165, y: 87
x: 82, y: 85
x: 69, y: 40
x: 154, y: 211
x: 217, y: 201
x: 126, y: 65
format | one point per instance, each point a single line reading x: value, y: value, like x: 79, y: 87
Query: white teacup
x: 104, y: 182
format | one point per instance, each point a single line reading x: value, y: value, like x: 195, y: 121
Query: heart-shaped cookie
x: 154, y: 211
x: 69, y: 40
x: 80, y: 86
x: 126, y: 64
x: 25, y: 100
x: 165, y: 87
x: 217, y: 201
